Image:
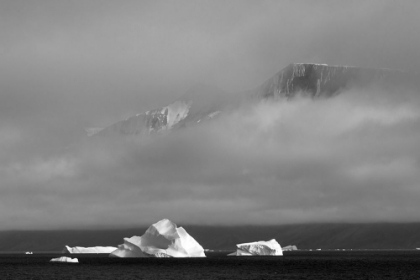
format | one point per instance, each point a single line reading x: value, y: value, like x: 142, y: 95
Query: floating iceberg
x: 65, y: 260
x: 259, y: 248
x: 28, y: 253
x: 289, y: 248
x: 162, y: 239
x: 129, y: 249
x: 88, y: 250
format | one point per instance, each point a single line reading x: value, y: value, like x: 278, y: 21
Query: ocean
x: 392, y: 264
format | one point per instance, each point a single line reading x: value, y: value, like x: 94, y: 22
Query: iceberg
x: 129, y: 249
x: 289, y: 248
x: 259, y: 248
x: 88, y: 250
x: 65, y: 260
x: 162, y: 239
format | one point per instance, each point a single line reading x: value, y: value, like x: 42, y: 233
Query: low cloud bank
x: 353, y: 157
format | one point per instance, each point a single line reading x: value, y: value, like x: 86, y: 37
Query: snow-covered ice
x: 259, y: 248
x: 88, y: 250
x: 162, y: 239
x: 65, y: 260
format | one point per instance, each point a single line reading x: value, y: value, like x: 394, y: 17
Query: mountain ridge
x: 323, y: 80
x: 199, y: 103
x: 203, y: 102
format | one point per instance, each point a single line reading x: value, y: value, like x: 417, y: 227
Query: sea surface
x: 395, y: 264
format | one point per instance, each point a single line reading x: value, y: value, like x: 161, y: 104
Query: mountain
x: 304, y: 236
x: 322, y: 80
x: 204, y: 102
x: 200, y: 103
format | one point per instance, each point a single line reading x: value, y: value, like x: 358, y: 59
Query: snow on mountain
x: 157, y: 120
x: 199, y: 103
x: 88, y: 250
x: 92, y: 130
x: 162, y: 239
x: 259, y: 248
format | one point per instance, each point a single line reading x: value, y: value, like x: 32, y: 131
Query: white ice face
x: 65, y: 260
x: 259, y: 248
x: 130, y: 249
x: 289, y: 248
x: 88, y: 250
x: 162, y: 239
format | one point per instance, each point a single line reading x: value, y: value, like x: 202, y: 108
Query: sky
x: 70, y: 65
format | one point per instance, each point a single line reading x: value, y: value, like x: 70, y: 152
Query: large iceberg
x: 88, y: 250
x: 65, y: 260
x: 259, y: 248
x: 162, y: 239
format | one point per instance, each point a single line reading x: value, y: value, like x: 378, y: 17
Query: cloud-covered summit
x: 71, y: 65
x: 322, y: 80
x: 203, y: 102
x: 351, y: 157
x: 200, y: 103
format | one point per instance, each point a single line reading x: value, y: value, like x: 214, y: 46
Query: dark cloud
x: 70, y: 65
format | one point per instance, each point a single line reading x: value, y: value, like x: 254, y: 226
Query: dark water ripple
x: 295, y: 265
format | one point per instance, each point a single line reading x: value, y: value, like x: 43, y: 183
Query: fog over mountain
x: 196, y: 113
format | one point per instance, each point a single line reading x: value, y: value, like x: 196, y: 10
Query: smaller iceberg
x: 65, y: 260
x: 88, y: 250
x: 161, y: 240
x: 289, y: 248
x: 28, y: 253
x: 259, y: 248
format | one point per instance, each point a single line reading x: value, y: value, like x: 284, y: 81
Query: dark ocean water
x: 293, y: 265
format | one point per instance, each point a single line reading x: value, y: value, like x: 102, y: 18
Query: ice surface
x: 130, y: 249
x: 289, y: 248
x: 88, y: 250
x: 162, y: 239
x: 65, y: 260
x: 259, y: 248
x: 239, y: 252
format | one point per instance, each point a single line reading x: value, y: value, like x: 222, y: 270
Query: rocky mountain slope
x: 199, y: 104
x: 322, y: 80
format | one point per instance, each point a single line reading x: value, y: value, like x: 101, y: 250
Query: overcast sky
x: 69, y: 65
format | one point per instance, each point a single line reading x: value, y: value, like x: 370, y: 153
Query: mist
x: 67, y: 66
x: 349, y: 158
